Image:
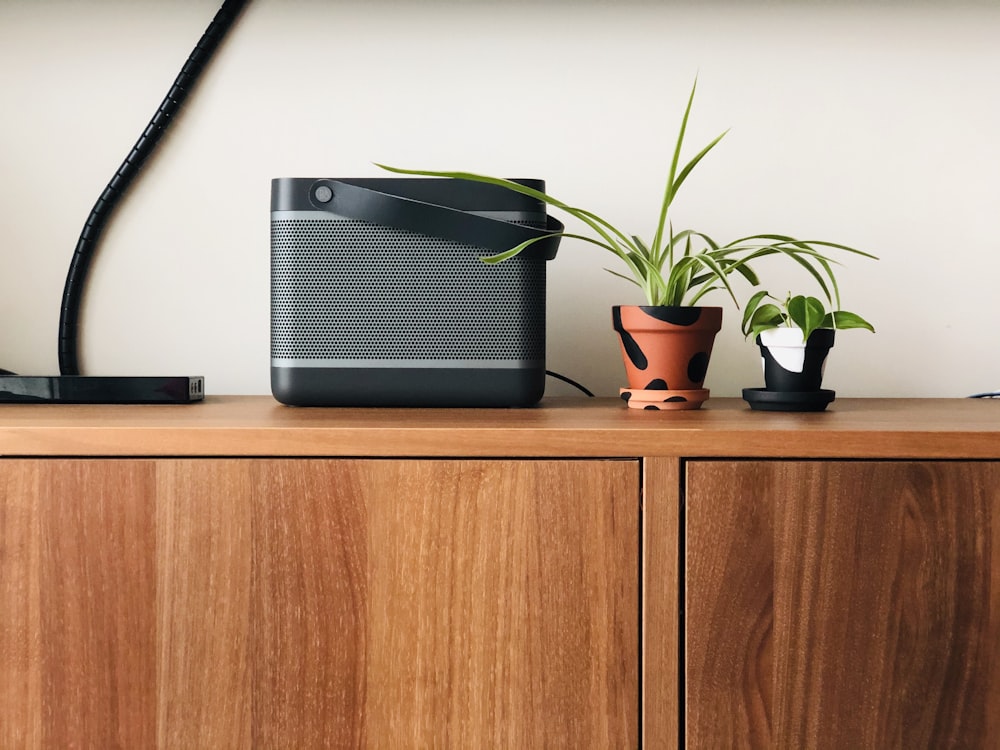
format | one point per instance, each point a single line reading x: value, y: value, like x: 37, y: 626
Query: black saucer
x: 762, y: 399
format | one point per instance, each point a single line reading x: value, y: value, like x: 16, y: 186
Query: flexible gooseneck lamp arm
x: 86, y: 246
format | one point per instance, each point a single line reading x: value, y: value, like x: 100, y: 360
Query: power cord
x: 572, y: 382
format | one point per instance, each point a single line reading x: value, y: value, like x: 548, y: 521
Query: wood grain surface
x: 206, y: 601
x: 204, y: 556
x: 189, y: 603
x: 834, y: 605
x: 310, y: 602
x: 20, y: 618
x: 558, y: 428
x: 661, y: 707
x: 97, y: 586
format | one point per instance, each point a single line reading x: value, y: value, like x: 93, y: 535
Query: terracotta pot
x: 667, y: 348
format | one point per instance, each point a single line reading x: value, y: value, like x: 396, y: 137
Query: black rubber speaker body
x: 369, y: 313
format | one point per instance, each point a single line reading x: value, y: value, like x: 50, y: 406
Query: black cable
x: 86, y: 246
x: 990, y: 394
x: 573, y: 383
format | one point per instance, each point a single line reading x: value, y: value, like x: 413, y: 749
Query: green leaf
x: 705, y: 238
x: 694, y: 162
x: 507, y: 254
x: 764, y: 318
x: 608, y: 232
x: 751, y: 308
x: 712, y: 264
x: 668, y: 191
x: 674, y: 181
x: 807, y: 313
x: 679, y: 280
x: 756, y: 331
x: 640, y: 264
x: 643, y: 249
x: 702, y: 291
x: 629, y: 279
x: 769, y: 313
x: 786, y: 239
x: 746, y: 272
x: 844, y: 320
x: 799, y: 255
x: 669, y: 251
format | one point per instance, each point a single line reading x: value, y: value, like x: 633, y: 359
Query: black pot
x: 778, y: 377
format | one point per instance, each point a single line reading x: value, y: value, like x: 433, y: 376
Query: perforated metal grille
x: 346, y: 289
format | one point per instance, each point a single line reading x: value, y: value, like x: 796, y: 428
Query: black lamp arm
x: 86, y: 246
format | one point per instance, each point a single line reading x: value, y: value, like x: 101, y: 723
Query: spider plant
x: 799, y: 311
x: 676, y: 268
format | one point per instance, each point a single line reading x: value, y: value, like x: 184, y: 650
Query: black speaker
x: 380, y: 296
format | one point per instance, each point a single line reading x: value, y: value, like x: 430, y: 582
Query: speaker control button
x: 323, y: 194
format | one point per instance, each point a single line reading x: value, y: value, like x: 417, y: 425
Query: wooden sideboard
x: 237, y: 573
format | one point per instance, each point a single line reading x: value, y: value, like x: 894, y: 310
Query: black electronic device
x: 380, y: 296
x: 97, y: 389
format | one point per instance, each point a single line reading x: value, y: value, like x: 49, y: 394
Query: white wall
x: 876, y: 125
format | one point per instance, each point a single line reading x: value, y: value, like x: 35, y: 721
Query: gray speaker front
x: 367, y: 315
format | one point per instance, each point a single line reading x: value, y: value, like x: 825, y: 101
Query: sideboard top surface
x: 563, y: 427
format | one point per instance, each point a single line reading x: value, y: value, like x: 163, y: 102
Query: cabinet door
x: 318, y: 603
x: 843, y: 604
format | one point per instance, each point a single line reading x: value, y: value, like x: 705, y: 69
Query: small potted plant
x: 667, y: 342
x: 794, y: 334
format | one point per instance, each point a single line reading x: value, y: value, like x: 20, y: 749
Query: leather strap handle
x: 399, y: 212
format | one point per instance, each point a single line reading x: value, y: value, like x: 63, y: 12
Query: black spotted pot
x: 666, y: 351
x: 791, y: 364
x: 793, y: 371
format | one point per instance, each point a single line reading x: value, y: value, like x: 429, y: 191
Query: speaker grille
x: 347, y: 289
